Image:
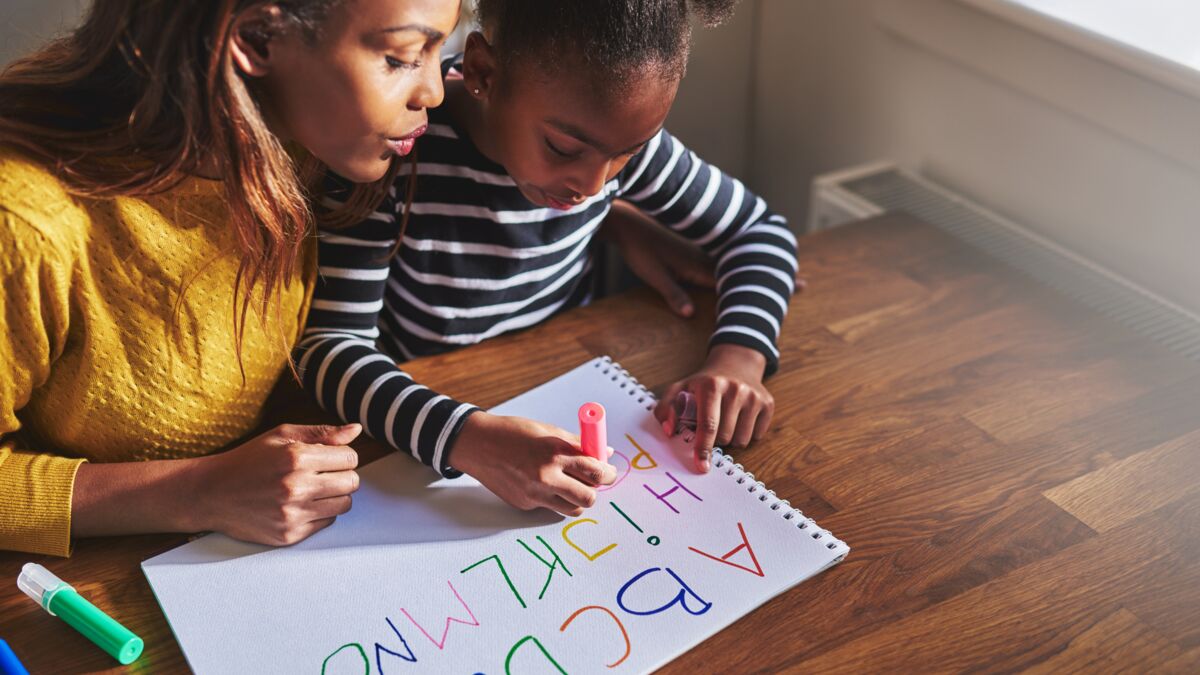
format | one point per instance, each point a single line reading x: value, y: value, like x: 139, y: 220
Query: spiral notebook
x: 434, y: 575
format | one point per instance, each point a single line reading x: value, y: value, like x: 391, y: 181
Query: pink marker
x: 593, y: 435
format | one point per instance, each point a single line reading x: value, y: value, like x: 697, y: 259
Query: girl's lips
x: 540, y: 197
x: 558, y: 204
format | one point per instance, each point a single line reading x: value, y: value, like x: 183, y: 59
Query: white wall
x: 712, y: 112
x: 25, y: 24
x: 1100, y: 160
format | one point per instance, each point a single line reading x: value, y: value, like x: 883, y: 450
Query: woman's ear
x: 480, y: 66
x: 253, y: 32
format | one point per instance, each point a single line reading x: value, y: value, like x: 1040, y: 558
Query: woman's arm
x: 277, y: 489
x: 663, y: 260
x: 136, y: 497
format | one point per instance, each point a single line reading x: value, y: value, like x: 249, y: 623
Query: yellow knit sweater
x: 98, y: 362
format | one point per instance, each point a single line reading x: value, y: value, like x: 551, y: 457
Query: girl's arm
x: 526, y: 463
x: 755, y: 267
x: 339, y: 362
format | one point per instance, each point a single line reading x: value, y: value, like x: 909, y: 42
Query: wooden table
x: 1019, y: 478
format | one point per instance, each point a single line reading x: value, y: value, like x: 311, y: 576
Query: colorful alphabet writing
x: 437, y: 575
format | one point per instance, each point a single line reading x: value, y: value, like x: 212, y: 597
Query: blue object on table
x: 9, y: 663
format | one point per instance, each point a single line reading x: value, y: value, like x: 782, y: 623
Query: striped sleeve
x: 754, y: 251
x: 340, y: 363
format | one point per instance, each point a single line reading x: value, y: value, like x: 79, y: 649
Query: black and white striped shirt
x: 479, y: 260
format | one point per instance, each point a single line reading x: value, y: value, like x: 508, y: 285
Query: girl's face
x: 356, y: 96
x: 561, y: 138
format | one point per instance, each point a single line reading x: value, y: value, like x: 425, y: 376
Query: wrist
x: 731, y: 358
x: 471, y: 441
x: 137, y: 497
x: 192, y: 487
x: 621, y: 217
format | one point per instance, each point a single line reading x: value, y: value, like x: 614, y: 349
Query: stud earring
x: 476, y: 90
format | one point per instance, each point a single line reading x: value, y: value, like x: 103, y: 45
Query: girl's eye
x: 395, y: 63
x: 557, y: 151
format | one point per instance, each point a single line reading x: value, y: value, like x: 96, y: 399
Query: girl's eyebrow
x: 428, y: 32
x: 579, y: 135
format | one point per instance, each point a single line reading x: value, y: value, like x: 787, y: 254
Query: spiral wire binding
x: 625, y: 380
x: 722, y: 460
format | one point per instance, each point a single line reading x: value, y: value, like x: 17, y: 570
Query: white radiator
x: 877, y: 188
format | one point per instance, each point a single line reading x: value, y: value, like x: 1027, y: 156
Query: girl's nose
x: 590, y: 183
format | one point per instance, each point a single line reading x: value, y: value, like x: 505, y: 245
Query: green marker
x: 60, y: 599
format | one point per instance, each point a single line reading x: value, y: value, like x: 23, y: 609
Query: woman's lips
x: 404, y: 144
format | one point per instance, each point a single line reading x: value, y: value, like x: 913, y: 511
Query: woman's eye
x: 395, y: 63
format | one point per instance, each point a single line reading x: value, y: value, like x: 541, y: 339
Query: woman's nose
x: 429, y: 92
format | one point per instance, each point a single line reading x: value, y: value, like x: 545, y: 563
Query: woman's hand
x: 275, y: 489
x: 529, y: 464
x: 280, y: 487
x: 733, y: 407
x: 662, y: 259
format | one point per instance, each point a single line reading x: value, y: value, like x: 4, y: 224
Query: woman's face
x: 356, y: 96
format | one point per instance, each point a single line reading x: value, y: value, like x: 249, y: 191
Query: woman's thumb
x: 331, y: 435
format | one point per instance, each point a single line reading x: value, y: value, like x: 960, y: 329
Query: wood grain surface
x: 1019, y: 477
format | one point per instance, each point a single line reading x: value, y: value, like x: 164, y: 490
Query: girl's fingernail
x: 667, y: 429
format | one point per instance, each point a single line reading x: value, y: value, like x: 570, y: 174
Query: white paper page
x: 433, y: 575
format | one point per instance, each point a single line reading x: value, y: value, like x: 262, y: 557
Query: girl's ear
x: 253, y: 32
x: 480, y: 65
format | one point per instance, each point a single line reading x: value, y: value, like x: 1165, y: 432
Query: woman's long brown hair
x: 145, y: 94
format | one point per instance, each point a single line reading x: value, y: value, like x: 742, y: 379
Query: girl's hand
x: 529, y: 464
x: 733, y: 407
x: 280, y: 487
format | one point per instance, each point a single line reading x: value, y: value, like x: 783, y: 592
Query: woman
x: 157, y: 265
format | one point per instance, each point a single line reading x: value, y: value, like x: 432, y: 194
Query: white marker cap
x: 40, y: 584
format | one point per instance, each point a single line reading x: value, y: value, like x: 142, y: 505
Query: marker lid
x: 40, y: 584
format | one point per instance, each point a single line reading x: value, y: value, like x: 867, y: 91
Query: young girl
x: 558, y: 112
x: 156, y: 267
